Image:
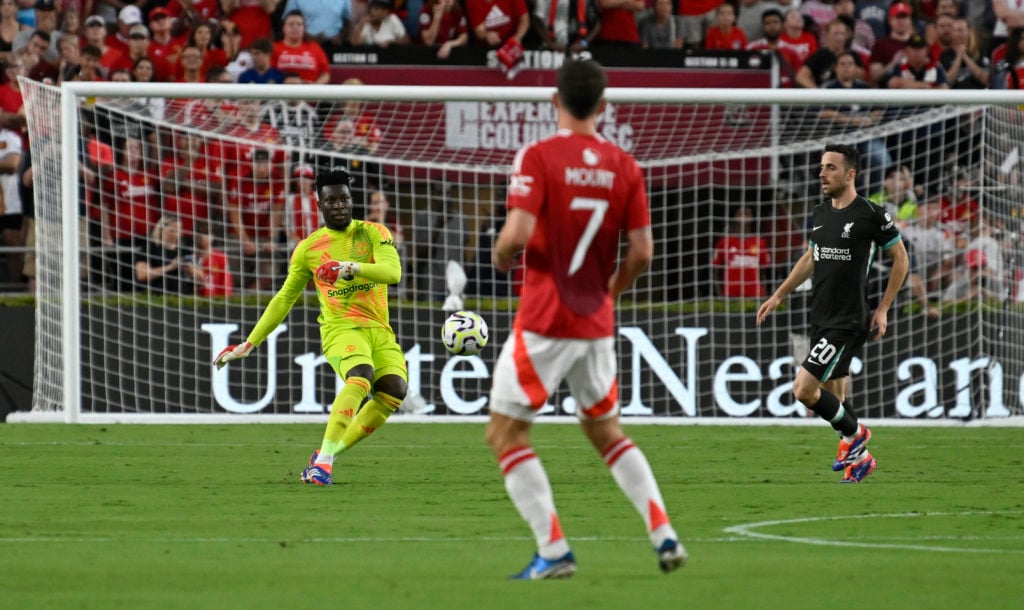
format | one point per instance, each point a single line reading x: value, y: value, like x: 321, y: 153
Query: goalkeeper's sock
x: 632, y: 472
x: 528, y: 487
x: 342, y: 412
x: 370, y: 417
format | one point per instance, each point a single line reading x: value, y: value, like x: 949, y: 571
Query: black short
x: 11, y: 222
x: 832, y: 350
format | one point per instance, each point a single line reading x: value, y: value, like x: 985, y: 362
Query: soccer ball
x: 464, y: 333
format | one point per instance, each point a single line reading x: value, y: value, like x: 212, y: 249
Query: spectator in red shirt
x: 293, y: 53
x: 367, y: 133
x: 741, y: 258
x: 724, y: 35
x: 162, y: 44
x: 129, y: 202
x: 126, y: 18
x: 216, y: 280
x: 256, y: 202
x: 191, y: 61
x: 698, y: 16
x: 96, y: 35
x: 794, y: 37
x: 254, y: 133
x: 192, y: 181
x: 10, y: 91
x: 618, y: 22
x: 443, y: 25
x: 495, y: 21
x: 302, y: 212
x: 190, y: 12
x: 202, y: 39
x: 138, y: 48
x: 252, y: 17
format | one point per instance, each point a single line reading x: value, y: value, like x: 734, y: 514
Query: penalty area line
x: 748, y: 530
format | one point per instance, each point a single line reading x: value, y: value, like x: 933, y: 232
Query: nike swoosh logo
x: 816, y: 228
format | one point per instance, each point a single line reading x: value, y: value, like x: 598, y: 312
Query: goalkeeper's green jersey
x: 360, y: 303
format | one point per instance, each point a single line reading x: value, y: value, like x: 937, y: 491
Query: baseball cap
x: 899, y: 8
x: 138, y: 31
x: 158, y: 13
x: 304, y: 171
x: 95, y: 20
x: 45, y: 5
x: 975, y: 258
x: 130, y: 15
x: 916, y: 41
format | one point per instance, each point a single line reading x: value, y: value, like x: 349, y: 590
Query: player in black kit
x: 846, y: 234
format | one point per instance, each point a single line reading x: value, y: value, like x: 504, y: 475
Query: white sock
x: 849, y: 439
x: 633, y: 473
x: 528, y: 487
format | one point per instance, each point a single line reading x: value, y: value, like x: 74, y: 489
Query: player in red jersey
x: 572, y: 197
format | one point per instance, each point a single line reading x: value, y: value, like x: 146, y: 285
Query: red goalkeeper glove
x: 233, y: 352
x: 331, y: 271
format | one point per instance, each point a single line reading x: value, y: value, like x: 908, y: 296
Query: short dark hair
x: 850, y: 155
x: 92, y: 51
x: 773, y: 12
x: 852, y: 55
x: 336, y: 176
x: 581, y: 84
x: 263, y: 45
x: 214, y: 73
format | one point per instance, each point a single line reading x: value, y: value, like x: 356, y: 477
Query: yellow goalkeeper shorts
x: 374, y: 346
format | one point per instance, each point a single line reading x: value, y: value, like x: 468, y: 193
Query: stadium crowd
x: 820, y: 43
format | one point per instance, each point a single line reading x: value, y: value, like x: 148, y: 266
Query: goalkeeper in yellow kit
x: 352, y: 262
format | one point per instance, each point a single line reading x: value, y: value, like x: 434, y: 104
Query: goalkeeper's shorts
x: 374, y: 346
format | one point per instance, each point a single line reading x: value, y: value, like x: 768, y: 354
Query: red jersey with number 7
x: 586, y: 194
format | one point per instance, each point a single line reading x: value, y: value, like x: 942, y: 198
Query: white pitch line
x: 336, y: 539
x: 747, y: 529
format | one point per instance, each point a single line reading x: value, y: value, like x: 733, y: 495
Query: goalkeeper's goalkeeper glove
x: 233, y: 352
x: 330, y: 271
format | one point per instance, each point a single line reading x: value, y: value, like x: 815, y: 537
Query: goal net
x: 165, y: 224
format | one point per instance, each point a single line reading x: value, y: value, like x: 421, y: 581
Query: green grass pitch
x: 215, y: 517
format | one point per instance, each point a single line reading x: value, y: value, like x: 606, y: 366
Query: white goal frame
x: 72, y: 93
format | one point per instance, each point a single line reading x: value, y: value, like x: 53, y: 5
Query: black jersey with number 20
x: 844, y: 243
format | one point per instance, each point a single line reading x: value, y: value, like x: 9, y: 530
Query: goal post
x: 111, y: 165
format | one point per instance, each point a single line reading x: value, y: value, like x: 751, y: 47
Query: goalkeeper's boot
x: 855, y: 473
x: 316, y: 474
x: 852, y: 451
x: 541, y: 569
x: 671, y: 556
